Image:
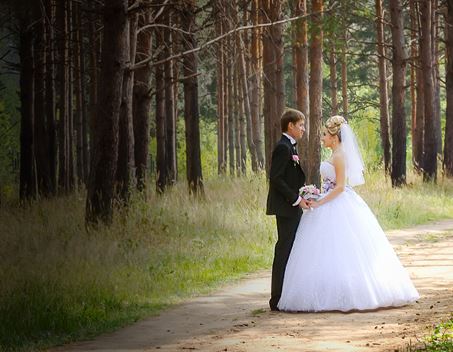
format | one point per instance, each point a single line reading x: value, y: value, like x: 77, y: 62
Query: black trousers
x: 286, y: 228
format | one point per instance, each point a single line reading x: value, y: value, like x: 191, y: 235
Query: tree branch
x: 147, y: 61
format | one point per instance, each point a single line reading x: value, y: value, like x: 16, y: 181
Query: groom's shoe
x: 275, y: 309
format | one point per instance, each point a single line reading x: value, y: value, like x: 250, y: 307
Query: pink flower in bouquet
x: 309, y: 192
x: 296, y: 158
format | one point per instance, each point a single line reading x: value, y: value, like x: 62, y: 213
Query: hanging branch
x: 147, y: 61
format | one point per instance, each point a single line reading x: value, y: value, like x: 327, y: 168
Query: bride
x: 341, y: 258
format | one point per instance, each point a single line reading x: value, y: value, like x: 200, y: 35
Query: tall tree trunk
x: 398, y: 173
x: 237, y: 118
x: 300, y: 48
x: 220, y: 89
x: 273, y: 76
x: 84, y: 111
x: 170, y: 103
x: 27, y: 170
x: 105, y: 154
x: 254, y: 93
x: 436, y: 76
x: 142, y: 103
x: 62, y: 81
x: 344, y: 76
x: 191, y: 110
x: 314, y: 148
x: 161, y: 129
x: 126, y: 166
x: 247, y: 128
x: 413, y: 82
x: 430, y: 143
x: 383, y: 92
x: 419, y: 119
x: 333, y: 76
x: 40, y: 127
x: 50, y: 96
x: 93, y: 74
x: 70, y: 82
x: 78, y: 93
x: 448, y: 148
x: 231, y: 122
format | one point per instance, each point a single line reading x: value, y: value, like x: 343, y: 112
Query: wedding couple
x: 334, y: 256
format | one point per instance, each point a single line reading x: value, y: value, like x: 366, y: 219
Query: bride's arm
x: 338, y: 163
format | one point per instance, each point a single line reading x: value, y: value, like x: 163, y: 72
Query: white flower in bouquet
x: 309, y: 192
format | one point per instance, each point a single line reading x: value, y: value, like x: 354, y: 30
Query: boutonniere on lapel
x: 295, y: 159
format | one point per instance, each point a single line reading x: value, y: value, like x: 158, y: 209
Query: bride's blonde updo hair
x: 333, y: 125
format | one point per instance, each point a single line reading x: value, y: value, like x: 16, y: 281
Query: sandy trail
x: 237, y: 318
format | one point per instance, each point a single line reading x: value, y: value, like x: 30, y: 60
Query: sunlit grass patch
x: 61, y: 283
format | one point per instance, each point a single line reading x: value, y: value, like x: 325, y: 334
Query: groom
x: 285, y: 179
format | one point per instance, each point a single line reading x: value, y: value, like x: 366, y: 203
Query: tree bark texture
x: 398, y: 173
x: 105, y: 154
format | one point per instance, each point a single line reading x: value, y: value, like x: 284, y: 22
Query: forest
x: 99, y: 83
x: 125, y: 120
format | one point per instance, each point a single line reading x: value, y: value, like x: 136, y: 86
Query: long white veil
x: 353, y: 158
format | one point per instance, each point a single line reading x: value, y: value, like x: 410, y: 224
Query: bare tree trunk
x: 398, y: 173
x: 62, y: 81
x: 70, y: 113
x: 220, y: 13
x: 50, y: 96
x: 231, y: 124
x: 300, y: 48
x: 448, y: 148
x: 78, y: 93
x: 142, y: 103
x: 254, y: 89
x: 413, y: 83
x: 237, y: 118
x: 191, y: 110
x: 93, y: 73
x: 125, y: 174
x: 274, y: 98
x: 419, y: 119
x: 383, y: 92
x: 105, y: 154
x: 333, y: 76
x: 170, y: 104
x: 161, y: 129
x: 430, y: 145
x: 244, y: 90
x: 436, y: 76
x: 84, y: 111
x: 344, y: 76
x: 27, y: 170
x: 315, y: 94
x: 40, y: 127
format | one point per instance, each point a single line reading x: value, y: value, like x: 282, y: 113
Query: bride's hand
x: 315, y: 204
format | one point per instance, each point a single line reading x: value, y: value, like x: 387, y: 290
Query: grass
x: 60, y: 283
x: 439, y: 340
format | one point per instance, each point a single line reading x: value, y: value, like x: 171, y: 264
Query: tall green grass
x: 61, y: 283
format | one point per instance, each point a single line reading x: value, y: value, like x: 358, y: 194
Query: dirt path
x: 237, y: 318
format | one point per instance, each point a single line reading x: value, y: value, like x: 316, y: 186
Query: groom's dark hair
x: 290, y: 115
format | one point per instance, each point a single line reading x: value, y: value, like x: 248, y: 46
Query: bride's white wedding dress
x: 341, y: 259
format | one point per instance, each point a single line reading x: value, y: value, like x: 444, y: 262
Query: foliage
x: 439, y: 340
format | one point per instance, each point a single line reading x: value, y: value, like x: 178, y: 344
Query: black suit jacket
x: 285, y: 179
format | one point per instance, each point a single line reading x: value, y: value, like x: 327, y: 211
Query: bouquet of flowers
x: 327, y: 185
x: 309, y: 192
